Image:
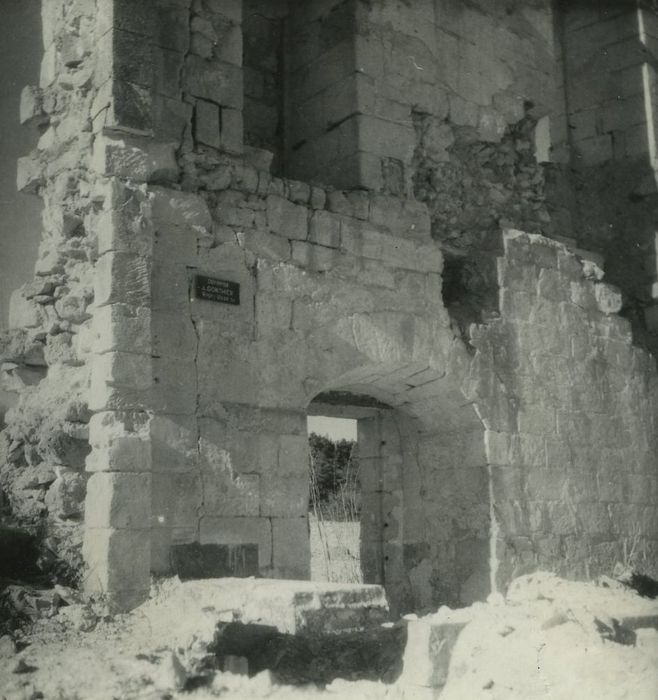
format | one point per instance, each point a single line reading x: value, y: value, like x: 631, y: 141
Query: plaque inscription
x: 213, y: 289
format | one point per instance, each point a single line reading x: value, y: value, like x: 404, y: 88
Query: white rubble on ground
x: 540, y: 641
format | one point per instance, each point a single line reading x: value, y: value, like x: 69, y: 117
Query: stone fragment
x: 170, y: 673
x: 7, y: 646
x: 65, y: 497
x: 608, y: 298
x: 430, y: 641
x: 31, y: 105
x: 29, y: 175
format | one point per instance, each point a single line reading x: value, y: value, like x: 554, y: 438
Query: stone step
x: 290, y: 607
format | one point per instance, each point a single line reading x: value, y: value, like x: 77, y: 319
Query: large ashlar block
x: 122, y: 278
x: 174, y: 389
x: 232, y: 132
x: 124, y: 232
x: 232, y: 531
x: 120, y: 381
x: 287, y: 219
x: 180, y: 220
x: 176, y: 499
x: 214, y: 81
x: 226, y: 373
x: 118, y: 500
x: 173, y: 336
x: 127, y: 454
x: 179, y: 208
x: 226, y: 491
x: 124, y: 55
x: 293, y: 455
x: 120, y: 442
x: 117, y: 565
x: 291, y: 552
x: 173, y: 443
x: 229, y: 9
x: 283, y: 496
x: 407, y: 218
x: 126, y: 15
x: 122, y: 328
x: 430, y: 642
x: 207, y: 123
x: 139, y: 160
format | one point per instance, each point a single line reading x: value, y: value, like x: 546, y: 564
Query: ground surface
x: 543, y: 641
x: 335, y: 550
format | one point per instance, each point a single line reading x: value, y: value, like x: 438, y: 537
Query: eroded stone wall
x: 572, y: 456
x: 46, y: 351
x: 502, y: 454
x: 609, y: 59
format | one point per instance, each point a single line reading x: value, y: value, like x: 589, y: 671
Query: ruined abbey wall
x: 511, y: 422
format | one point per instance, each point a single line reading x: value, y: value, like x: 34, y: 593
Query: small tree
x: 334, y: 474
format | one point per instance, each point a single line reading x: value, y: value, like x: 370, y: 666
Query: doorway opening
x: 349, y: 525
x: 334, y: 499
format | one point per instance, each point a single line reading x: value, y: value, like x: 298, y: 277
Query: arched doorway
x: 425, y: 512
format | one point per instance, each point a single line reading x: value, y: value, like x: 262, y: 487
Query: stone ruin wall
x: 45, y: 357
x: 524, y: 447
x: 610, y: 68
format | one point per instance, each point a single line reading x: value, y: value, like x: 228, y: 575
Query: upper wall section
x: 472, y: 64
x: 329, y: 91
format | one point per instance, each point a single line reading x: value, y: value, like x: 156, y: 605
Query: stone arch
x: 426, y: 522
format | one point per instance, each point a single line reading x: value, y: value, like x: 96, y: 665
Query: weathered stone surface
x: 346, y: 290
x: 118, y: 500
x: 65, y: 495
x: 117, y: 565
x: 290, y: 548
x: 429, y: 647
x: 140, y: 161
x: 214, y: 81
x: 232, y: 531
x: 287, y: 219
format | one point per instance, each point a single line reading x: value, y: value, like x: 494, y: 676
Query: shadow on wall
x: 609, y: 72
x: 20, y: 223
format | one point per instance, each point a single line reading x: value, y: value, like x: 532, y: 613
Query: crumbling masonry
x: 403, y: 192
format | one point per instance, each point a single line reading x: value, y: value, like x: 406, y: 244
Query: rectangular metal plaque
x: 213, y: 289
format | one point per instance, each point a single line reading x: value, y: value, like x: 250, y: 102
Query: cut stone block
x: 118, y: 500
x: 430, y: 641
x: 289, y: 606
x: 291, y: 554
x: 197, y: 561
x: 117, y: 566
x: 231, y: 531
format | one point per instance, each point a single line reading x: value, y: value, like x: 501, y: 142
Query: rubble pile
x: 548, y: 636
x: 44, y: 355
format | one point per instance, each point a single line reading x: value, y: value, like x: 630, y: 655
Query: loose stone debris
x: 225, y: 638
